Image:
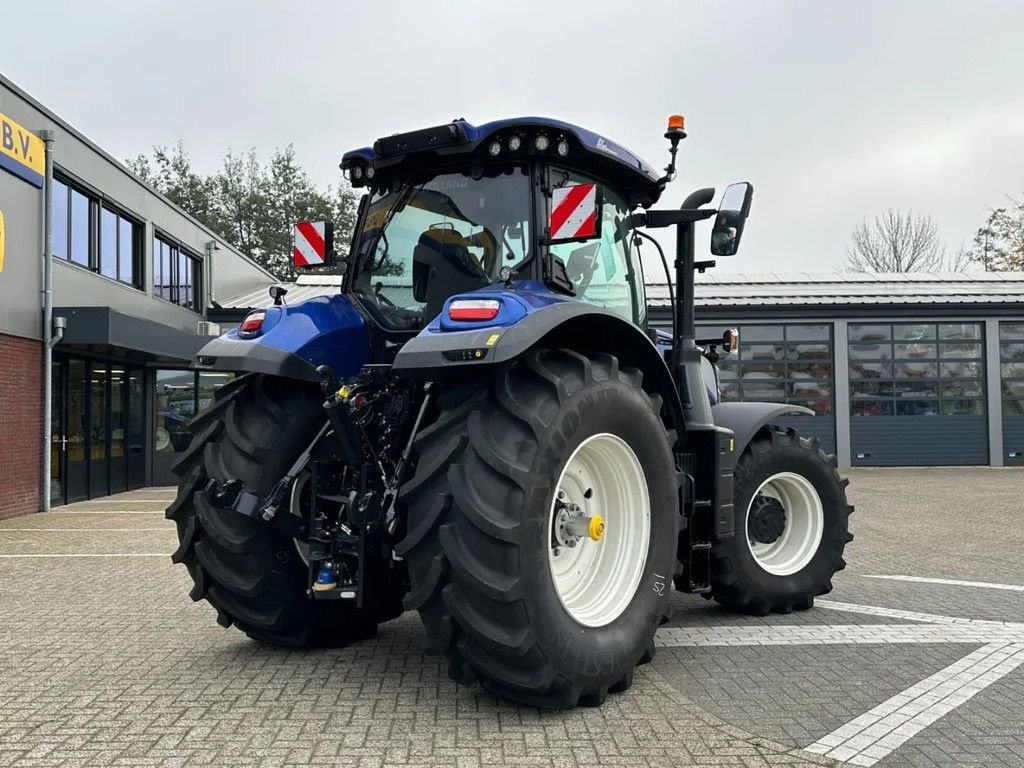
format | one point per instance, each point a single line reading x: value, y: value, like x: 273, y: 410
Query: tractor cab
x: 530, y: 201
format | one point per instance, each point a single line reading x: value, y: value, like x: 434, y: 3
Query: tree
x: 896, y: 241
x: 999, y: 244
x: 171, y: 174
x: 252, y: 206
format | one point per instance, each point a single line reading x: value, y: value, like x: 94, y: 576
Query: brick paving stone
x: 105, y: 661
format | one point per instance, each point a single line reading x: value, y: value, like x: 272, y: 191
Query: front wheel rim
x: 596, y: 579
x: 804, y: 525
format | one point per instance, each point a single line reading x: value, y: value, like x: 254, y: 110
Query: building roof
x: 741, y: 289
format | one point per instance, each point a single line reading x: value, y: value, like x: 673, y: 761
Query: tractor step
x: 699, y: 530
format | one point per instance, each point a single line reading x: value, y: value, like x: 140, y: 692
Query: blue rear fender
x: 293, y: 340
x: 530, y: 316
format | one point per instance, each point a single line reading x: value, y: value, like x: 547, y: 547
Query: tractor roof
x: 431, y: 147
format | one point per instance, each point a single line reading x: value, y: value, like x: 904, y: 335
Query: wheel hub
x: 767, y: 520
x: 572, y: 525
x: 596, y: 566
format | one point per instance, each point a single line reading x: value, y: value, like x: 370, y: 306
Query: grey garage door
x: 1011, y: 369
x: 917, y: 394
x: 784, y: 363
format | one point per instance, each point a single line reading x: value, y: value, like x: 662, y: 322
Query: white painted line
x: 952, y: 582
x: 107, y: 512
x: 165, y: 529
x: 849, y: 634
x: 109, y: 500
x: 110, y: 554
x: 870, y: 737
x: 896, y: 613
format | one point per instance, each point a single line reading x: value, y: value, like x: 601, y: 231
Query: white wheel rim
x: 596, y: 580
x: 804, y: 524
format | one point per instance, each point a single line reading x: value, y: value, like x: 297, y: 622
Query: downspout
x: 50, y: 339
x: 211, y: 298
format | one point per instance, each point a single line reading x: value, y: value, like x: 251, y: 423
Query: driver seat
x: 442, y: 265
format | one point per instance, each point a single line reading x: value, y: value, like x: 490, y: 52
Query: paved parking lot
x: 104, y: 661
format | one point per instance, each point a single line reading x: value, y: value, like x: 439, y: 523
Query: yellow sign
x: 1, y: 241
x: 21, y: 152
x: 493, y: 339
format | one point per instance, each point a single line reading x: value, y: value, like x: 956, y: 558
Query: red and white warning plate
x: 574, y: 212
x: 310, y: 248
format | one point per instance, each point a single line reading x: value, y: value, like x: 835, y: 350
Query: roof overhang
x: 105, y: 331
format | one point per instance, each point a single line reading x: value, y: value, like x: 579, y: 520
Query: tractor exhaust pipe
x: 685, y: 355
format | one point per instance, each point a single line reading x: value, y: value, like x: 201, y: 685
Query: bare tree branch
x: 962, y: 261
x: 896, y: 241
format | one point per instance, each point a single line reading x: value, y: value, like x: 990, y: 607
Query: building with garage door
x: 900, y: 370
x: 133, y: 280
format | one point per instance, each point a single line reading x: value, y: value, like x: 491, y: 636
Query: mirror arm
x: 659, y: 219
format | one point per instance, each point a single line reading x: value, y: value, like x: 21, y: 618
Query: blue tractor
x: 482, y: 427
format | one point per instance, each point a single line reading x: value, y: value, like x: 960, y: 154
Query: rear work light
x: 473, y: 310
x: 252, y: 323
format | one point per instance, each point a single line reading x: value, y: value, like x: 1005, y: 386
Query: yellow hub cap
x: 596, y: 529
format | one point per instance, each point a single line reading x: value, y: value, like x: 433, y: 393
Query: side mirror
x: 732, y: 215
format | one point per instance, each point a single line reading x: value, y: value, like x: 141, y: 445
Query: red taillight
x: 252, y: 323
x: 473, y: 310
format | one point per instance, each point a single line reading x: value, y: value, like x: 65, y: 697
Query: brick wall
x: 21, y: 425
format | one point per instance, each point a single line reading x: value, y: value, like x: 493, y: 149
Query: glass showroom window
x: 1011, y: 367
x: 179, y: 396
x: 789, y: 363
x: 176, y: 274
x: 93, y: 233
x: 917, y: 369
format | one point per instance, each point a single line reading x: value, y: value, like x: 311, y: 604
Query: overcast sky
x: 835, y: 111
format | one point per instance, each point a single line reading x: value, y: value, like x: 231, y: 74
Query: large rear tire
x: 792, y: 526
x: 250, y: 573
x: 507, y: 592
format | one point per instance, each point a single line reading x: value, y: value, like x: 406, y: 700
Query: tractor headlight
x: 562, y: 148
x: 542, y: 143
x: 494, y: 149
x: 515, y: 143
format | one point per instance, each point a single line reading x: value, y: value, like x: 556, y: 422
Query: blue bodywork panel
x: 326, y: 330
x: 589, y: 139
x: 631, y: 171
x: 525, y: 298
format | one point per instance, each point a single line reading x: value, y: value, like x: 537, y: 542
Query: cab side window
x: 601, y: 269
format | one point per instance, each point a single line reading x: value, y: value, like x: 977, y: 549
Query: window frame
x: 178, y: 253
x: 1011, y: 405
x: 607, y: 195
x: 97, y: 203
x: 736, y: 362
x: 895, y: 353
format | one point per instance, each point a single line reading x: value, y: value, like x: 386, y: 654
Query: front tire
x: 792, y: 526
x: 485, y: 519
